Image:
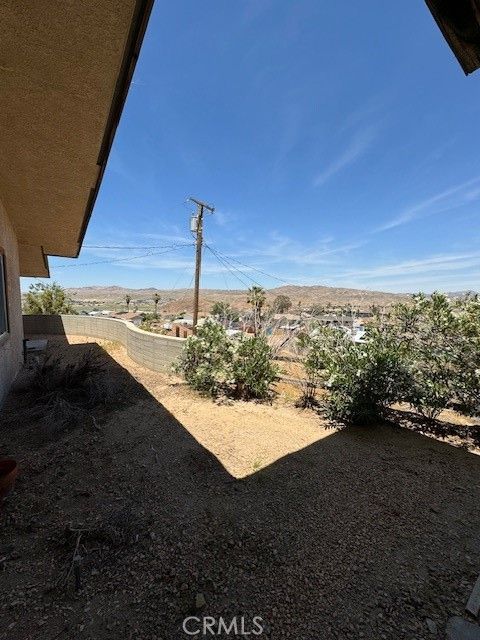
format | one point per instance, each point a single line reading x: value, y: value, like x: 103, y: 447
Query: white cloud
x: 447, y: 200
x: 174, y: 237
x: 223, y: 218
x: 444, y: 262
x: 443, y: 272
x: 287, y: 251
x: 358, y: 146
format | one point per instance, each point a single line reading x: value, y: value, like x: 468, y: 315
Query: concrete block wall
x: 151, y: 350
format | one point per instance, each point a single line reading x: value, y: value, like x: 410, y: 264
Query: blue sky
x: 339, y: 143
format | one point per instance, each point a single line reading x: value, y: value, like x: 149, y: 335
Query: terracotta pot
x: 8, y: 474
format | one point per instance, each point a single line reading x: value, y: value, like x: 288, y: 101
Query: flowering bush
x: 363, y: 379
x: 253, y: 371
x: 213, y: 363
x: 441, y: 341
x: 426, y: 353
x: 206, y: 360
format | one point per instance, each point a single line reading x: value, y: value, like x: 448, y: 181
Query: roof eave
x: 140, y: 20
x: 459, y: 23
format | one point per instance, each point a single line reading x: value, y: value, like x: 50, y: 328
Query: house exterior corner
x: 11, y: 327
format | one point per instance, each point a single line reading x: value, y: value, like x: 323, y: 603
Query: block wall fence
x: 151, y: 350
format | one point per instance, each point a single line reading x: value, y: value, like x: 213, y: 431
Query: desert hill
x: 173, y: 301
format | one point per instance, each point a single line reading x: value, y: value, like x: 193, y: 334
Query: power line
x: 188, y: 290
x: 129, y: 259
x: 225, y: 280
x: 226, y: 262
x: 264, y: 273
x: 182, y: 273
x: 102, y: 246
x: 227, y: 266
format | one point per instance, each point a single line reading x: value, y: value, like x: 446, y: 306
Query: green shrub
x: 253, y: 371
x: 213, y: 363
x: 363, y: 379
x: 424, y: 327
x: 311, y: 349
x: 441, y: 341
x: 206, y: 360
x: 467, y: 359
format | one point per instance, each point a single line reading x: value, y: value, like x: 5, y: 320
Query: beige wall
x: 151, y: 350
x: 11, y: 347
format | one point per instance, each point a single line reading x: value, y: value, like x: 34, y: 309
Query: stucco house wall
x: 11, y: 345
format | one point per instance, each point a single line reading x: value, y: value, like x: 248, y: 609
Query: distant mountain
x: 174, y: 301
x: 460, y: 294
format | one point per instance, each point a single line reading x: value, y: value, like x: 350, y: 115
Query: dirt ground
x: 179, y: 506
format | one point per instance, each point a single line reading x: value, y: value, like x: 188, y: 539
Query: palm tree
x: 256, y: 297
x: 128, y: 300
x: 156, y: 300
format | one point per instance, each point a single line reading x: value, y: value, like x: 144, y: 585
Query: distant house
x: 336, y: 320
x: 186, y: 320
x: 129, y: 316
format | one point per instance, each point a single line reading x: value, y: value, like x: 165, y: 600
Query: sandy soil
x: 243, y: 436
x: 181, y: 506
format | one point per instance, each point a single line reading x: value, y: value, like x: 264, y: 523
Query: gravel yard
x: 184, y: 507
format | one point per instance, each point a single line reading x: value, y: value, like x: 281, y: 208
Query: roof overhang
x: 65, y: 70
x: 459, y: 21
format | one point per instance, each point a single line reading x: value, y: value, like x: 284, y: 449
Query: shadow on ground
x: 465, y: 435
x: 364, y: 534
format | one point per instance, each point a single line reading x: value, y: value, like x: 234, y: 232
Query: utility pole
x: 197, y: 228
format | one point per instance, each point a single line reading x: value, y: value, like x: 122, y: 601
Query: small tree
x: 281, y: 304
x: 128, y: 299
x: 47, y: 299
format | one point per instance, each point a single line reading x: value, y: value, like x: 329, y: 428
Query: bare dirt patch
x: 259, y: 509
